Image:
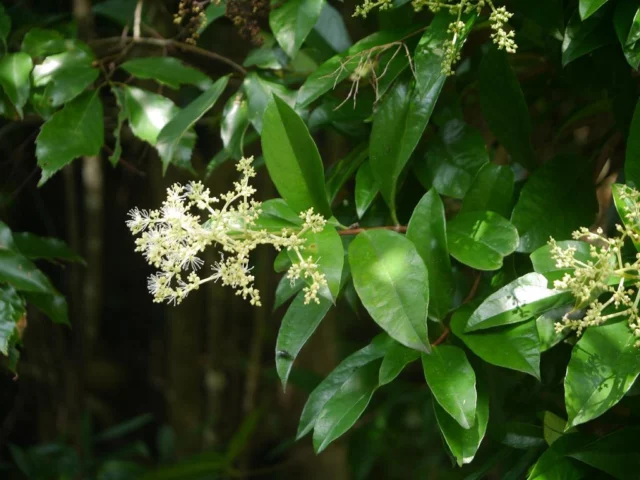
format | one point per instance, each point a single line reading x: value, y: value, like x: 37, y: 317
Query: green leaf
x: 632, y: 156
x: 297, y: 326
x: 326, y: 247
x: 22, y: 274
x: 76, y: 57
x: 235, y: 121
x: 343, y: 170
x: 123, y: 114
x: 47, y: 248
x: 589, y: 7
x: 81, y: 124
x: 623, y: 19
x: 452, y: 382
x: 624, y: 206
x: 259, y: 92
x: 544, y: 263
x: 67, y: 83
x: 293, y: 161
x: 276, y: 215
x: 481, y: 239
x: 603, y: 366
x: 397, y: 357
x: 462, y: 442
x: 554, y: 202
x: 366, y: 189
x: 167, y: 71
x: 505, y: 109
x: 14, y: 78
x: 555, y: 466
x: 292, y: 21
x: 427, y: 231
x: 546, y: 325
x: 172, y: 134
x: 554, y: 427
x: 453, y: 159
x: 392, y: 281
x: 147, y: 113
x: 399, y: 122
x: 581, y: 38
x: 336, y: 379
x: 345, y: 406
x: 616, y: 454
x: 214, y: 11
x: 331, y: 28
x: 53, y: 305
x: 634, y: 31
x: 341, y: 66
x: 286, y: 290
x: 517, y: 302
x: 39, y: 42
x: 491, y: 189
x: 11, y: 311
x: 519, y: 344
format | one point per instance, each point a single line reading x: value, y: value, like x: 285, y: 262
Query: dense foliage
x: 481, y: 224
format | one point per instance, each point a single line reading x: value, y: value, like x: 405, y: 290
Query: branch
x: 137, y: 20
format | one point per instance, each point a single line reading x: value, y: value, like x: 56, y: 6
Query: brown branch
x: 442, y: 337
x: 356, y: 231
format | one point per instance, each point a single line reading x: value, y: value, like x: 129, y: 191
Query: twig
x: 356, y: 231
x: 137, y: 20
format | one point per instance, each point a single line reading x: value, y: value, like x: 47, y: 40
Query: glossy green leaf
x: 519, y: 344
x: 462, y: 442
x: 395, y: 360
x: 292, y: 21
x: 326, y: 247
x: 167, y: 71
x: 147, y: 113
x: 546, y: 325
x: 12, y: 309
x: 46, y: 248
x: 491, y: 189
x: 366, y: 189
x: 67, y: 83
x: 581, y: 38
x: 343, y: 170
x: 623, y: 19
x: 632, y: 156
x: 589, y: 7
x: 452, y: 382
x: 481, y: 239
x: 341, y: 66
x: 293, y: 161
x: 427, y: 231
x: 624, y: 206
x: 331, y: 28
x: 634, y: 31
x: 616, y: 453
x: 522, y: 436
x: 453, y: 159
x: 15, y: 69
x: 554, y: 427
x: 392, y: 281
x: 276, y: 215
x: 81, y: 124
x: 53, y: 305
x: 259, y: 92
x: 22, y: 274
x: 235, y: 121
x: 603, y: 366
x: 39, y: 42
x: 172, y: 134
x: 345, y: 406
x: 544, y: 263
x: 297, y: 326
x: 337, y: 378
x: 555, y: 466
x: 123, y: 114
x: 286, y: 290
x: 505, y: 109
x: 214, y: 11
x: 517, y: 302
x: 400, y: 120
x: 537, y: 215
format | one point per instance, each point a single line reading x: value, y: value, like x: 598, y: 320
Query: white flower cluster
x: 173, y: 237
x: 606, y: 273
x: 498, y: 19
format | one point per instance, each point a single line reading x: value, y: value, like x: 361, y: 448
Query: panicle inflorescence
x: 605, y: 274
x: 173, y: 238
x: 501, y: 35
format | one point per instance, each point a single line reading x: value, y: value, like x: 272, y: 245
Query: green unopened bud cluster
x: 605, y: 276
x: 498, y: 20
x: 173, y: 238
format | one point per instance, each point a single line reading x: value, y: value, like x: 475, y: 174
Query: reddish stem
x: 355, y: 231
